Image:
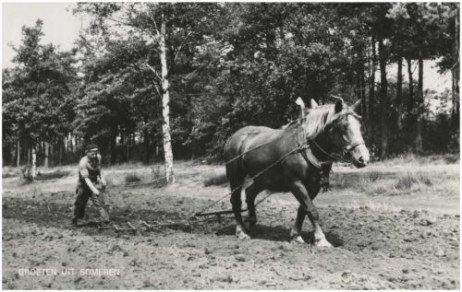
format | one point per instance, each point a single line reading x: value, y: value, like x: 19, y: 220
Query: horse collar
x: 310, y: 157
x: 308, y: 154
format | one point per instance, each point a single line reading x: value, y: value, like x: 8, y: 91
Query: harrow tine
x: 135, y: 231
x: 146, y: 225
x: 117, y: 228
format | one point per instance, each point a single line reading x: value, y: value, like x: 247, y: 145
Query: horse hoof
x: 242, y: 236
x: 297, y: 239
x: 323, y: 243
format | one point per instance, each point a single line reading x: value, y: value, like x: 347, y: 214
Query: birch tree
x: 171, y: 30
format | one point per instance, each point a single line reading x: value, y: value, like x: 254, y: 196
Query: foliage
x: 37, y: 99
x: 132, y: 177
x: 52, y: 175
x: 408, y: 179
x: 230, y: 65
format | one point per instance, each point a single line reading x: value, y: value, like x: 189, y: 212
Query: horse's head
x: 346, y: 132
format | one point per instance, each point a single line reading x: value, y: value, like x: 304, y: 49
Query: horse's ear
x: 313, y: 103
x: 355, y: 106
x: 338, y: 106
x: 301, y: 104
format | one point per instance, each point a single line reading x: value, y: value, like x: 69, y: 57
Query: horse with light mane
x: 291, y: 159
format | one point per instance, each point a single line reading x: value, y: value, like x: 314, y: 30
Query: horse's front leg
x: 300, y: 192
x: 296, y: 231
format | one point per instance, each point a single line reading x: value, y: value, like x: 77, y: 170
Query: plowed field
x: 390, y: 240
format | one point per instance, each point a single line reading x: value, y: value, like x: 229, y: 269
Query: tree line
x: 156, y: 81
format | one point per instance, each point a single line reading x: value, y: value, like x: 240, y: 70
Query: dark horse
x: 291, y: 159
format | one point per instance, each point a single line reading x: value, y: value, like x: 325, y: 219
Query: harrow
x: 141, y: 227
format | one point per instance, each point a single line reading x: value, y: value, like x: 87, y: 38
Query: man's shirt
x: 89, y: 168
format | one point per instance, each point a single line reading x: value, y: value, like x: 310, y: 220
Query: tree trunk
x: 40, y: 147
x: 113, y: 149
x: 66, y: 150
x: 46, y: 155
x: 129, y: 143
x: 190, y: 152
x: 29, y: 156
x: 168, y: 154
x: 147, y: 156
x: 455, y: 99
x: 73, y: 143
x: 123, y: 140
x: 62, y: 150
x: 18, y: 153
x: 420, y: 105
x: 157, y: 152
x: 372, y: 84
x: 66, y: 142
x: 399, y: 94
x: 384, y: 104
x: 51, y: 153
x: 455, y: 74
x: 410, y: 104
x: 33, y: 169
x: 363, y: 91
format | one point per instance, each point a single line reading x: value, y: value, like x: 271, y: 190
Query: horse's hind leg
x: 236, y: 188
x: 250, y: 194
x: 295, y: 232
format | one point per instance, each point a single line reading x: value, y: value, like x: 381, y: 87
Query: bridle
x: 350, y: 148
x: 345, y: 150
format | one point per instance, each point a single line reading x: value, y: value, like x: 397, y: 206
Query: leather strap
x: 309, y: 156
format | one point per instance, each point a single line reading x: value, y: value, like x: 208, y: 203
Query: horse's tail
x: 216, y: 180
x: 230, y: 152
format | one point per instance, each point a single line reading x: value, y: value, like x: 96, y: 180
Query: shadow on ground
x: 59, y: 215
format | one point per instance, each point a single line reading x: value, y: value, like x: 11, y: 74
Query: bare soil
x: 377, y: 246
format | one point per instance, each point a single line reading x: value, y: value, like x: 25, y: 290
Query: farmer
x: 89, y: 173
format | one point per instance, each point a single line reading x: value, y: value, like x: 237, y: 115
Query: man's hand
x: 103, y: 183
x: 91, y: 186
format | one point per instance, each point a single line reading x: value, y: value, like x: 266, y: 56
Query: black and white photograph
x: 230, y: 145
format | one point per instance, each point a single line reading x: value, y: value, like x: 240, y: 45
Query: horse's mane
x: 317, y: 119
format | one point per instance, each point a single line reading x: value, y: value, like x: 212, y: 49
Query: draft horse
x: 291, y: 159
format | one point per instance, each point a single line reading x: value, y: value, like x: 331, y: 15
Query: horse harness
x: 325, y: 167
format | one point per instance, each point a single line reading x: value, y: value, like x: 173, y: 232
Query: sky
x: 61, y: 28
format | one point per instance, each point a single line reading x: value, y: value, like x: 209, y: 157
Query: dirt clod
x: 440, y: 252
x: 240, y: 258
